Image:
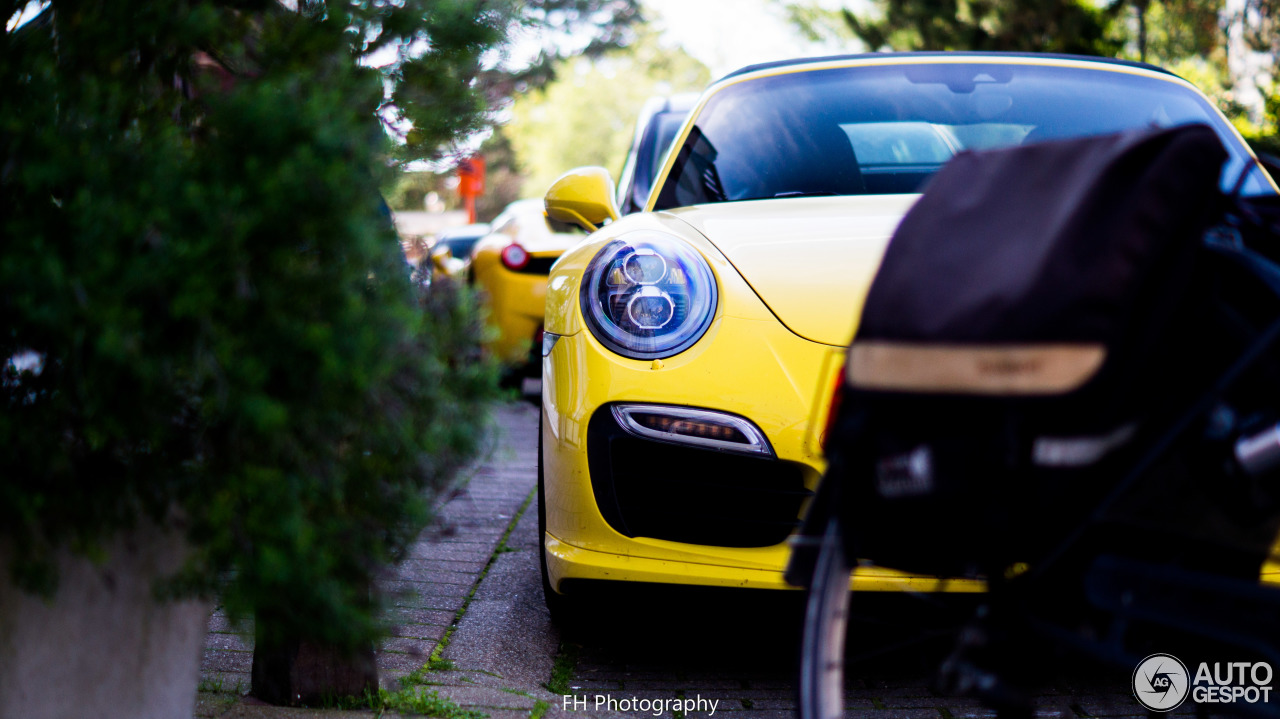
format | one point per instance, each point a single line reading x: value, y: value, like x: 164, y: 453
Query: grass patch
x: 219, y: 685
x: 414, y: 700
x: 436, y: 664
x: 418, y: 677
x: 563, y: 671
x: 517, y: 692
x: 539, y: 708
x: 747, y: 704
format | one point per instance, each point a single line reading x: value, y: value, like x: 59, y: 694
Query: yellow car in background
x: 691, y: 349
x: 510, y: 266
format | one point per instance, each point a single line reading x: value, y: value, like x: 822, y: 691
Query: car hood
x: 810, y: 259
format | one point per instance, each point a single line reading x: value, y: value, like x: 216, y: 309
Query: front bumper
x: 754, y: 368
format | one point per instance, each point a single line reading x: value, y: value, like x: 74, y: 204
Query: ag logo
x: 1160, y: 682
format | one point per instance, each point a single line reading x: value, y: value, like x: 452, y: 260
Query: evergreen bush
x: 206, y: 319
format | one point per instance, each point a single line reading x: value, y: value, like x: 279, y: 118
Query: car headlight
x: 648, y: 295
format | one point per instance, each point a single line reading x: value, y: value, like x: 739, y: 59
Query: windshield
x: 886, y: 129
x: 666, y: 125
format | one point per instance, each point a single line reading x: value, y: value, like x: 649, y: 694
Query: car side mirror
x: 582, y: 197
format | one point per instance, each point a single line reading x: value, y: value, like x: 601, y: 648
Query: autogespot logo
x: 1160, y: 682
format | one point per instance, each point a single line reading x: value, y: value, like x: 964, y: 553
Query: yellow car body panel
x: 797, y: 254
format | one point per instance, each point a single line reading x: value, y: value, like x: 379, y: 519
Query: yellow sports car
x: 510, y: 266
x: 691, y: 349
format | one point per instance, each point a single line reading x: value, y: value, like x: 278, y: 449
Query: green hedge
x: 228, y: 336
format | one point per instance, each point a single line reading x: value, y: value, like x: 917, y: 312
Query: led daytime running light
x: 689, y: 426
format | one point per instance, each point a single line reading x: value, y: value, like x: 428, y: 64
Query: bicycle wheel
x: 822, y: 644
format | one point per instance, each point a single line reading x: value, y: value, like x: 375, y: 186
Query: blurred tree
x: 588, y: 114
x: 1069, y: 26
x: 1170, y: 31
x: 448, y: 69
x: 410, y: 189
x: 1258, y: 22
x: 504, y: 182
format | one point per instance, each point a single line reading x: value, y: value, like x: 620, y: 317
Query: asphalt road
x: 469, y: 617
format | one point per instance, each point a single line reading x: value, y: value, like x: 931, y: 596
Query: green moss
x: 416, y: 700
x: 564, y: 669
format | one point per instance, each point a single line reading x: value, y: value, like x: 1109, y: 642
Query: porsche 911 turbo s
x: 690, y: 349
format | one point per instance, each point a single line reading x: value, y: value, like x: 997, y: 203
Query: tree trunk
x: 297, y: 672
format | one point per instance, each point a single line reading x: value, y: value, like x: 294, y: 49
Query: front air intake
x: 682, y: 491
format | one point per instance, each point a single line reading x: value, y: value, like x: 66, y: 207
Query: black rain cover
x: 1046, y: 242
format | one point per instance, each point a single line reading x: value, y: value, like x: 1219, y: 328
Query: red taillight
x: 837, y: 396
x: 514, y: 257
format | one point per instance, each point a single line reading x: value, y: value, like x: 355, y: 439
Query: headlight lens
x: 648, y: 295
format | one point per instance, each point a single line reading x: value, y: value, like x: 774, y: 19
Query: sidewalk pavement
x: 486, y: 645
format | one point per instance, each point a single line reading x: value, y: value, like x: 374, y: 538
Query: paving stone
x: 251, y: 711
x: 230, y: 642
x: 413, y: 575
x: 234, y: 683
x: 219, y: 660
x: 969, y: 712
x: 752, y: 714
x: 466, y: 568
x: 419, y: 631
x: 507, y: 713
x: 452, y: 552
x: 1112, y: 708
x: 402, y: 590
x: 210, y: 706
x: 557, y: 712
x: 410, y: 646
x: 485, y: 697
x: 586, y: 685
x: 219, y: 622
x: 775, y: 703
x: 892, y: 714
x: 400, y: 662
x: 906, y: 690
x: 438, y: 604
x: 415, y: 615
x: 913, y: 702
